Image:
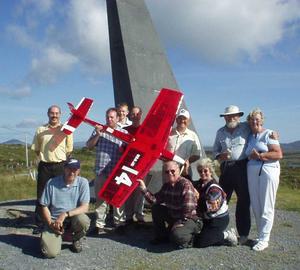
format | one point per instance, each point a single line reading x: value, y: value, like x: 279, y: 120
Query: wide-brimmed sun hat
x: 232, y: 109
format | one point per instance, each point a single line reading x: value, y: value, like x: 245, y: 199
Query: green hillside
x: 16, y: 180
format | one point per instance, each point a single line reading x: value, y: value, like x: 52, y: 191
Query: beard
x: 232, y: 124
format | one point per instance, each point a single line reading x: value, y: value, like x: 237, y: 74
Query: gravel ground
x: 19, y: 248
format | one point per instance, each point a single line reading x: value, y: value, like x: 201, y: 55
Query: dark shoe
x: 158, y: 241
x: 77, y: 246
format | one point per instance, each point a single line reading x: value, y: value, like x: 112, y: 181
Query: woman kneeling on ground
x: 213, y: 209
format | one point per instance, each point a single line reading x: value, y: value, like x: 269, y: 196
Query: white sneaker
x: 243, y: 240
x: 231, y: 237
x: 261, y: 245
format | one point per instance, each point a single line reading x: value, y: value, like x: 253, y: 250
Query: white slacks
x: 262, y: 191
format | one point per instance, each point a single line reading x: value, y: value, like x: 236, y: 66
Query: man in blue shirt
x: 64, y: 202
x: 229, y: 148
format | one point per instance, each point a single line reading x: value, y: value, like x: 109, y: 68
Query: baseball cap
x: 184, y: 113
x: 72, y: 163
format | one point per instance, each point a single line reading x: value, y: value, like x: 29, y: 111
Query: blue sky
x: 225, y: 52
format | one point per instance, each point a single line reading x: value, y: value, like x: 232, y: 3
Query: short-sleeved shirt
x: 236, y: 142
x: 52, y: 144
x: 184, y: 144
x: 107, y: 152
x: 59, y: 197
x: 260, y: 142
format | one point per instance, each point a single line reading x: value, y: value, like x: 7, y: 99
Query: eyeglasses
x: 203, y: 170
x: 170, y: 171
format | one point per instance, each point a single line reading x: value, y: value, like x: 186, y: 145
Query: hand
x: 56, y: 227
x: 254, y: 154
x: 98, y: 129
x: 185, y: 167
x: 224, y: 156
x: 142, y: 184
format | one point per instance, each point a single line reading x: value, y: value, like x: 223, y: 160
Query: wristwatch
x: 68, y: 214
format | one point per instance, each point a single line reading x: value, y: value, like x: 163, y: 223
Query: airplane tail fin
x: 71, y: 106
x: 78, y: 115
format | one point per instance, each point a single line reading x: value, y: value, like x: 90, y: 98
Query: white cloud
x: 77, y: 34
x: 20, y: 35
x: 62, y: 35
x: 225, y: 30
x: 86, y: 34
x: 28, y: 123
x: 17, y: 93
x: 53, y: 63
x: 35, y: 6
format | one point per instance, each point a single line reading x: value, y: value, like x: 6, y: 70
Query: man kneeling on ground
x: 65, y: 201
x: 174, y: 204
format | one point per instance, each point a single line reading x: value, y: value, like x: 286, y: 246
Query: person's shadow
x: 28, y: 243
x: 19, y: 224
x: 136, y: 236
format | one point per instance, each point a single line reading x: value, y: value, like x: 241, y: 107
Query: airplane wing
x: 146, y: 147
x: 158, y: 123
x: 78, y: 115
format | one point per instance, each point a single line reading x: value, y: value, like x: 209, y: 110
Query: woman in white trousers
x: 263, y: 171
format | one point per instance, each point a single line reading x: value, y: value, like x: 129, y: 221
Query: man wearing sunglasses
x: 175, y: 204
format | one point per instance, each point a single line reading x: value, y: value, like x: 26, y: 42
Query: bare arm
x: 92, y: 141
x: 83, y: 208
x: 274, y: 153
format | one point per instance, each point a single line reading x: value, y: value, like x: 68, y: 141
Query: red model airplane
x: 143, y: 148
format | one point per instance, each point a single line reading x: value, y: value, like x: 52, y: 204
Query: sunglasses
x: 204, y: 171
x: 170, y: 171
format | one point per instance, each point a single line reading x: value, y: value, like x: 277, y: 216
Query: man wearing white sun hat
x: 229, y: 148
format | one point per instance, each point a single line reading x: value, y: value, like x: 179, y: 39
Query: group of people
x: 188, y: 213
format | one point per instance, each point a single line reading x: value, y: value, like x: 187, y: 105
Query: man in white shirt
x: 183, y: 141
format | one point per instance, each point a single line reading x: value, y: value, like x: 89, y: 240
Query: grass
x: 15, y: 185
x: 288, y: 198
x: 17, y: 188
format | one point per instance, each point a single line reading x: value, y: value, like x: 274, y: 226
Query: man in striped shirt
x: 108, y: 153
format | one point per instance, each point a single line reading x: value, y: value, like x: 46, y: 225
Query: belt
x: 52, y: 163
x: 234, y: 162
